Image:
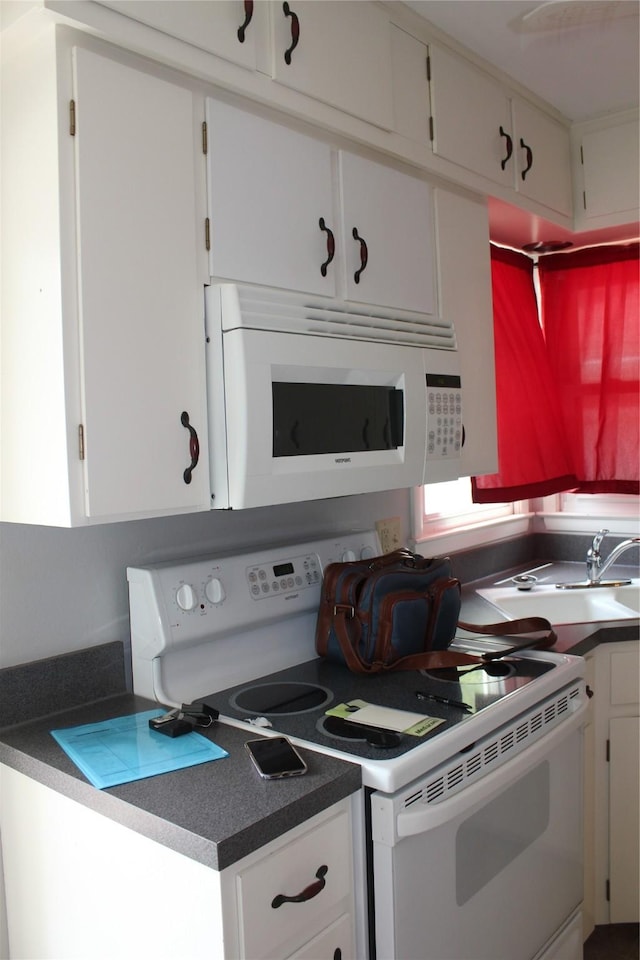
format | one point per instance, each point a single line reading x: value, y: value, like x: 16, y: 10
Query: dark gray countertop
x: 215, y: 813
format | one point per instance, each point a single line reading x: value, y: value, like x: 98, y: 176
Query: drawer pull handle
x: 505, y: 160
x: 307, y: 894
x: 364, y: 254
x: 248, y: 13
x: 194, y: 447
x: 295, y: 32
x: 331, y: 246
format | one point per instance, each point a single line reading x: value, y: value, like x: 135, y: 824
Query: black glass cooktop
x: 295, y: 701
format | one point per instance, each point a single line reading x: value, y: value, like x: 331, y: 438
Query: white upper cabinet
x: 270, y: 189
x: 471, y: 117
x: 387, y: 236
x: 103, y: 336
x: 280, y: 217
x: 141, y: 307
x: 339, y: 53
x: 226, y: 28
x: 543, y: 157
x: 464, y: 282
x: 607, y: 170
x: 481, y: 126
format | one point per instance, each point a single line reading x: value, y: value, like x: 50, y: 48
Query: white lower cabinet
x: 102, y: 294
x: 617, y: 783
x: 81, y: 886
x: 290, y: 894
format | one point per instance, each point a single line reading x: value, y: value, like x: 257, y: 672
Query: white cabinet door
x: 141, y: 306
x: 339, y: 53
x: 608, y: 171
x: 225, y: 28
x: 543, y: 155
x: 624, y: 832
x: 269, y: 189
x: 471, y: 117
x: 387, y: 236
x: 479, y: 125
x: 464, y: 283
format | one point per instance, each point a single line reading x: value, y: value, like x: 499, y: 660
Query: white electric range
x: 490, y: 795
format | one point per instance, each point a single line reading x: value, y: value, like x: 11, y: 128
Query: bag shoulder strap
x: 439, y: 659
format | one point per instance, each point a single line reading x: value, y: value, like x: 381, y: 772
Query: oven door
x: 311, y: 417
x: 493, y: 872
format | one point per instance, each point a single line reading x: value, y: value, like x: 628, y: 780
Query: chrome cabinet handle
x: 295, y: 32
x: 507, y: 156
x: 331, y: 246
x: 364, y: 255
x: 529, y: 153
x: 248, y: 13
x: 307, y: 894
x: 194, y: 447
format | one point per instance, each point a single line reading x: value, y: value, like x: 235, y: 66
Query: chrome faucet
x: 596, y: 567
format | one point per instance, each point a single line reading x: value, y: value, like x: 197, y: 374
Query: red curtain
x: 591, y: 320
x: 533, y: 453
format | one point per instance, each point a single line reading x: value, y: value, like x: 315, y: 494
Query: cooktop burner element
x: 347, y: 730
x: 265, y: 699
x: 483, y: 673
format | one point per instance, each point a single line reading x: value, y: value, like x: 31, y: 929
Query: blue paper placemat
x: 125, y: 749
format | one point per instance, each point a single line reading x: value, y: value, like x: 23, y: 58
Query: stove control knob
x: 366, y: 553
x: 214, y: 590
x: 348, y: 555
x: 186, y: 597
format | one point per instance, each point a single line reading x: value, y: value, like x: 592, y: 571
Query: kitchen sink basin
x: 579, y: 605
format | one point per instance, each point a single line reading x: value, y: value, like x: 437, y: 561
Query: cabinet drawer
x: 336, y: 941
x: 625, y: 676
x: 264, y: 928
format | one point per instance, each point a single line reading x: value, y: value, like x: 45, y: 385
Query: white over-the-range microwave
x: 311, y: 399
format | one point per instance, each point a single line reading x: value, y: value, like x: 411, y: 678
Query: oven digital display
x: 283, y: 569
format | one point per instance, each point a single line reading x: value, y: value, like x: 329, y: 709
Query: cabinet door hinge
x: 205, y: 140
x: 431, y: 134
x: 81, y: 441
x: 72, y: 118
x: 608, y: 751
x: 428, y: 61
x: 581, y: 155
x: 607, y: 891
x: 584, y: 199
x: 207, y: 234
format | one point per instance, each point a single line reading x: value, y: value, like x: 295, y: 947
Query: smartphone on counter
x: 275, y: 758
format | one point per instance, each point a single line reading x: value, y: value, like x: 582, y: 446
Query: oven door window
x: 314, y: 418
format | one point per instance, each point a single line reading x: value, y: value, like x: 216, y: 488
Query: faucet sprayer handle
x: 597, y: 541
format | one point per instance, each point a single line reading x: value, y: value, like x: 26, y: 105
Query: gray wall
x: 62, y: 590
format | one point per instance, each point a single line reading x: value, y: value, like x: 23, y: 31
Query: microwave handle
x: 438, y: 814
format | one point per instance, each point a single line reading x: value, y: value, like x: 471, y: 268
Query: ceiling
x: 580, y: 56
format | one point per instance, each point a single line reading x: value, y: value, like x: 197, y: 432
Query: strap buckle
x: 346, y: 609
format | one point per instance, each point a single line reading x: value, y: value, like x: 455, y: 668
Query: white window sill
x: 581, y: 523
x: 475, y: 535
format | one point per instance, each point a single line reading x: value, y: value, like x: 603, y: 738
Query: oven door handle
x: 436, y: 815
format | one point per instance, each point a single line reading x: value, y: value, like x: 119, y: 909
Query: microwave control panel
x: 444, y: 416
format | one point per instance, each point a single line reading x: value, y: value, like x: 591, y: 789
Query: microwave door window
x: 316, y: 418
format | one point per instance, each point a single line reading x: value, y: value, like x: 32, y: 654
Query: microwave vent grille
x: 265, y: 308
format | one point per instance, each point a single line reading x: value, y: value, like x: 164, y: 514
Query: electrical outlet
x: 389, y: 534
